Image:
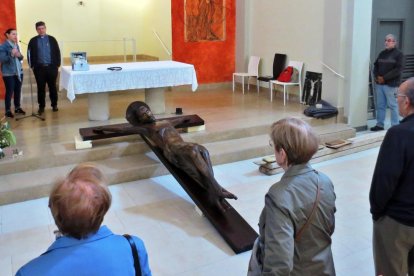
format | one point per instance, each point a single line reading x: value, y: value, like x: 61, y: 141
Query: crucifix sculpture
x: 190, y: 164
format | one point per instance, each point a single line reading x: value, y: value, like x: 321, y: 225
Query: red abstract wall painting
x: 205, y: 20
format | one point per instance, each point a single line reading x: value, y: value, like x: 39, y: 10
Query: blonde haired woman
x: 298, y: 220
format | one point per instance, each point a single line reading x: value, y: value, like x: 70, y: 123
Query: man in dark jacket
x: 392, y: 193
x: 44, y: 58
x: 387, y: 71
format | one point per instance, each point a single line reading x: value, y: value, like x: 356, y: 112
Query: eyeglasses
x: 399, y: 95
x: 389, y: 40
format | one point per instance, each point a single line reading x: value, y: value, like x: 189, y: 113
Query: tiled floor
x: 180, y: 242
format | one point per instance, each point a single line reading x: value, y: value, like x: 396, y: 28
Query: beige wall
x: 99, y: 20
x: 333, y: 32
x: 346, y: 44
x: 316, y: 31
x: 291, y: 27
x: 294, y: 28
x: 357, y: 56
x: 242, y: 35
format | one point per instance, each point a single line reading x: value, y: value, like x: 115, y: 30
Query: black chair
x: 279, y: 63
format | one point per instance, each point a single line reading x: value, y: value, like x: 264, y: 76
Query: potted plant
x: 7, y: 137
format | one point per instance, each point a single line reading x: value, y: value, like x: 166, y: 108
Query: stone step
x: 359, y: 143
x: 33, y: 184
x: 64, y: 153
x: 124, y: 161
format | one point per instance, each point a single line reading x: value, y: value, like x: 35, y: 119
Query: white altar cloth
x: 134, y: 75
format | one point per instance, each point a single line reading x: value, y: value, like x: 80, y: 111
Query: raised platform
x: 236, y: 128
x: 128, y: 158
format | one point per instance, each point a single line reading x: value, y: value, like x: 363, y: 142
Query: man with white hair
x: 391, y: 195
x: 387, y: 71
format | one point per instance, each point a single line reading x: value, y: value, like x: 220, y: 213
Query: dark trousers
x: 13, y: 89
x: 46, y: 75
x: 393, y: 245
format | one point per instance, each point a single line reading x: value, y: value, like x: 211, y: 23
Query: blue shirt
x: 43, y: 47
x: 102, y: 253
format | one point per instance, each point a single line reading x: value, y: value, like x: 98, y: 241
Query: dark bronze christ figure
x: 192, y: 158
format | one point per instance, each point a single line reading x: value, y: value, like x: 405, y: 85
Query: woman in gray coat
x: 298, y: 220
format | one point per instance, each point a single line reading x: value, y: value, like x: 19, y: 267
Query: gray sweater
x: 287, y: 207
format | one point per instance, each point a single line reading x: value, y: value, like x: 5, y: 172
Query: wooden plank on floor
x: 359, y: 143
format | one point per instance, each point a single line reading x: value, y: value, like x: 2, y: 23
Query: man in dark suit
x: 44, y: 58
x: 392, y: 189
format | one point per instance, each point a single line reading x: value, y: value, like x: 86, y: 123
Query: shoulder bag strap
x: 134, y: 254
x: 315, y: 205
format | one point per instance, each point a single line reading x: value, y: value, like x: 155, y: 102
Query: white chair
x: 253, y: 71
x: 298, y: 65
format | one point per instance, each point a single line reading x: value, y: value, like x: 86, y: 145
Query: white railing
x: 91, y: 47
x: 333, y: 71
x: 162, y: 43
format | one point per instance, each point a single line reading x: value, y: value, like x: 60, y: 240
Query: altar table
x: 153, y: 76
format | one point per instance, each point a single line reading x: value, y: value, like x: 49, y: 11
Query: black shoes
x: 42, y: 110
x: 20, y: 111
x: 9, y: 114
x: 376, y: 128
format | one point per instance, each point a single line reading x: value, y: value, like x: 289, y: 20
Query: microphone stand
x: 31, y: 91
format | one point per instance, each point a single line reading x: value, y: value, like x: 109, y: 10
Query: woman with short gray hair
x: 297, y: 221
